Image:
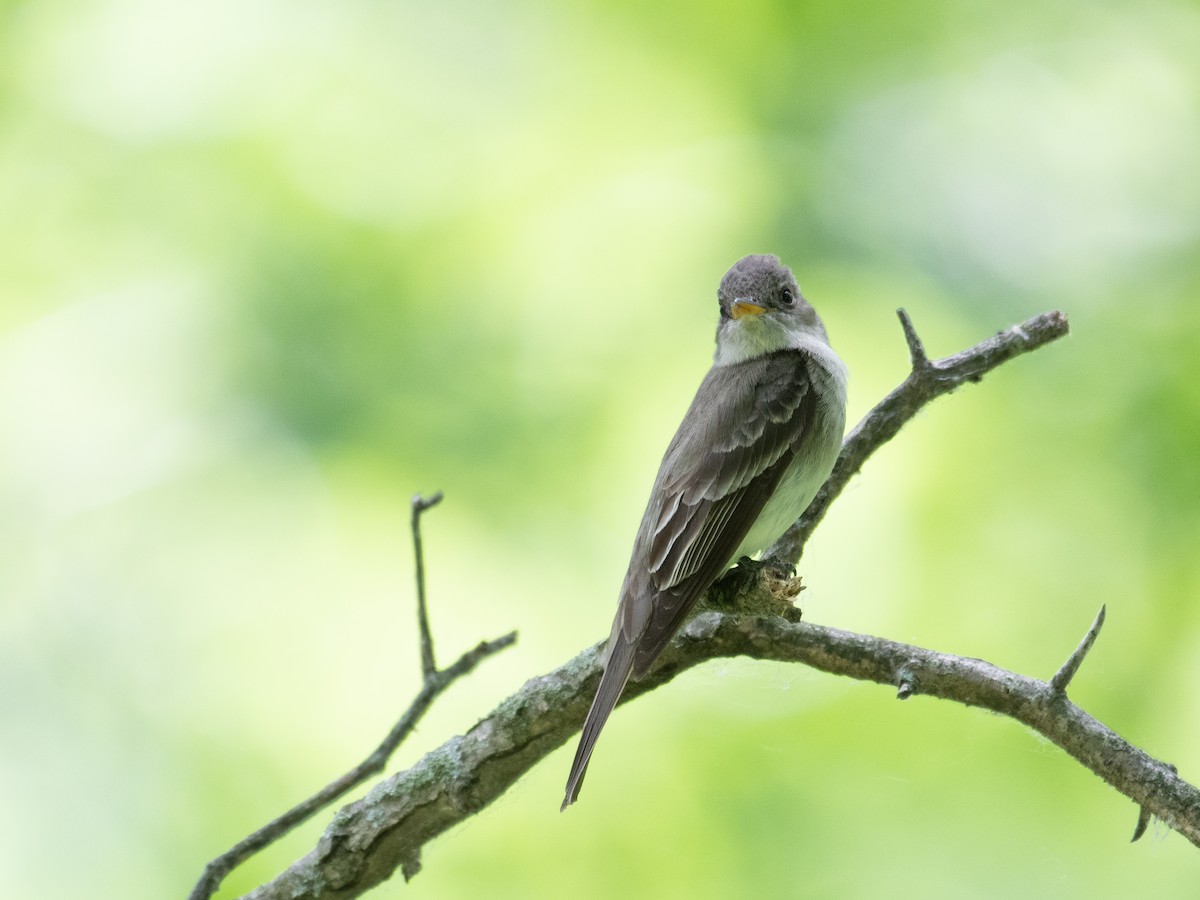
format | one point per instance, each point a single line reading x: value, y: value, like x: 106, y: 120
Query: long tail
x: 612, y: 682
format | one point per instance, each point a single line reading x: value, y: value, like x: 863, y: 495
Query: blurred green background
x: 269, y: 269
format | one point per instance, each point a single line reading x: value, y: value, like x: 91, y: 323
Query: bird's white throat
x: 751, y: 336
x: 748, y: 338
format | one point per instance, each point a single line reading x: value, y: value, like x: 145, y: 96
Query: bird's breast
x: 816, y: 453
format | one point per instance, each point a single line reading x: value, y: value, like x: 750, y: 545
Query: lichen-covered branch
x: 368, y: 840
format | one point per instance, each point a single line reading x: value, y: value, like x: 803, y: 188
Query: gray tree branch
x: 369, y: 839
x: 434, y: 682
x: 927, y: 380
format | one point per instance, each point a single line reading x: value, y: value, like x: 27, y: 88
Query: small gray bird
x: 756, y: 444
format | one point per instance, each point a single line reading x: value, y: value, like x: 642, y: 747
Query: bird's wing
x: 733, y: 446
x: 731, y: 450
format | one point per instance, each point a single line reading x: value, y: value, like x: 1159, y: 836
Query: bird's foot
x: 766, y: 587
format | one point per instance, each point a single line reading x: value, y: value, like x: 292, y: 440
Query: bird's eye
x: 786, y: 297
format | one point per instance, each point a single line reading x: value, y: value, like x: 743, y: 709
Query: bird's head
x: 762, y: 310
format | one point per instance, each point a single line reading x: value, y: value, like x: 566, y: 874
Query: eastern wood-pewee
x: 756, y: 444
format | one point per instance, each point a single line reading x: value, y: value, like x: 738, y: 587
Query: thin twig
x: 1143, y: 823
x: 432, y: 686
x: 916, y: 349
x: 1063, y: 676
x: 419, y: 505
x: 1145, y: 815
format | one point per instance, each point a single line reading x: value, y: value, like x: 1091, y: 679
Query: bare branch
x: 916, y: 349
x: 926, y: 382
x: 369, y: 839
x: 419, y: 505
x: 1064, y: 675
x: 432, y: 686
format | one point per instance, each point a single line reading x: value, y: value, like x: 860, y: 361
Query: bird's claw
x: 762, y: 587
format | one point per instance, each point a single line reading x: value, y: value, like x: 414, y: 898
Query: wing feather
x: 705, y: 476
x: 733, y: 447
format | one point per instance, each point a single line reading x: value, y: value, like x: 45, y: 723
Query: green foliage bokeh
x: 270, y: 269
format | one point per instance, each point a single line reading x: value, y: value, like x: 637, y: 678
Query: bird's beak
x: 743, y: 307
